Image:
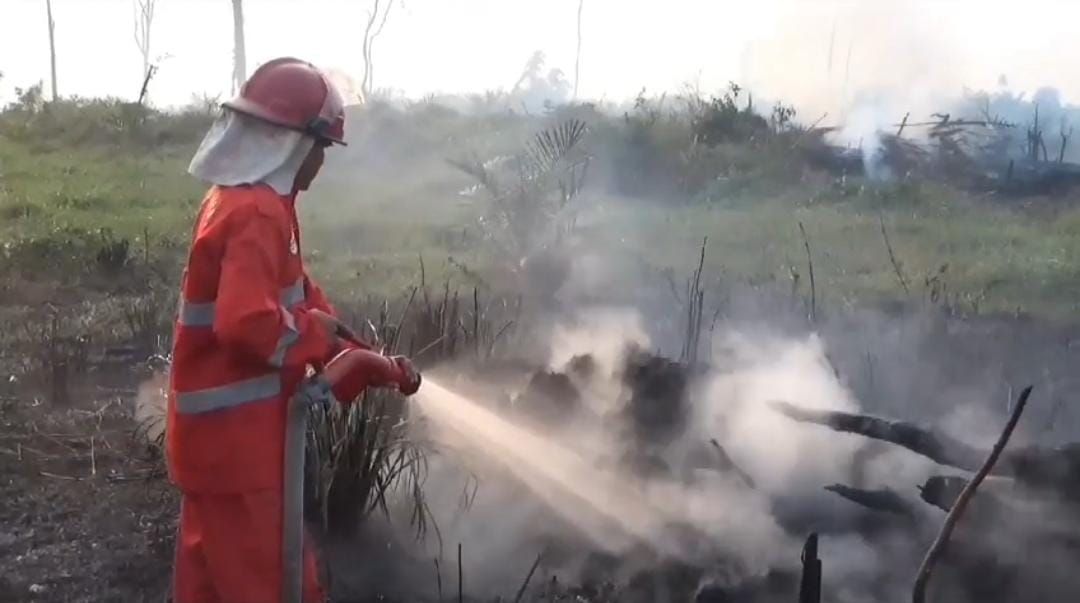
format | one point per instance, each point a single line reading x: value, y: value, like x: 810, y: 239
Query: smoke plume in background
x: 864, y: 66
x: 833, y: 57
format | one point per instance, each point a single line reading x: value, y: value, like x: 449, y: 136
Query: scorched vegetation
x: 664, y: 294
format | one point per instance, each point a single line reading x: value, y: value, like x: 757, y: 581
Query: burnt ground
x: 87, y: 515
x: 81, y: 521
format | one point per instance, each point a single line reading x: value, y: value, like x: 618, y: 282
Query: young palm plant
x: 364, y: 456
x: 358, y: 456
x: 361, y: 454
x: 531, y: 193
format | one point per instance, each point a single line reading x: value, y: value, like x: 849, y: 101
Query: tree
x: 144, y: 21
x: 375, y: 15
x: 539, y: 87
x: 239, y: 51
x: 577, y: 53
x: 52, y: 47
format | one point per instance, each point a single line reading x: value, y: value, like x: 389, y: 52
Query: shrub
x: 111, y: 122
x: 720, y: 119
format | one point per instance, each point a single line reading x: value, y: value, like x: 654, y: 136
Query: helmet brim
x: 246, y: 107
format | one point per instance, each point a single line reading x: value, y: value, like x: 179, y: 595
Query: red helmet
x: 293, y: 94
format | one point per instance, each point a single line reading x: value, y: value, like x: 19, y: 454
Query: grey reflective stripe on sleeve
x: 286, y: 340
x: 293, y: 294
x: 202, y: 314
x: 228, y: 396
x: 196, y: 315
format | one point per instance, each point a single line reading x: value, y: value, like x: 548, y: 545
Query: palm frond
x: 533, y: 188
x: 475, y: 168
x: 551, y: 147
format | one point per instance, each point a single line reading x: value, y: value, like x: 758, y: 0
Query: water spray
x: 604, y: 506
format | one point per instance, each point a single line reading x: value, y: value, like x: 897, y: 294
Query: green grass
x: 91, y: 189
x: 1008, y: 259
x: 372, y: 215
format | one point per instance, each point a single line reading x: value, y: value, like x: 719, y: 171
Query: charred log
x: 942, y: 491
x: 713, y: 457
x: 657, y: 406
x: 728, y: 466
x: 1056, y: 469
x: 550, y: 398
x: 938, y: 548
x: 582, y: 366
x: 775, y: 585
x: 884, y: 500
x: 810, y: 586
x: 937, y: 447
x: 1040, y: 520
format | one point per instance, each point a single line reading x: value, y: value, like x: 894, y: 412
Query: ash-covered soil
x: 85, y: 513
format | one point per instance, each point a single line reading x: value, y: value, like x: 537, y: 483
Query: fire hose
x: 314, y: 390
x: 345, y: 377
x: 292, y: 529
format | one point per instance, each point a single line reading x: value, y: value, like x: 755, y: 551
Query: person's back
x: 249, y: 327
x: 226, y: 340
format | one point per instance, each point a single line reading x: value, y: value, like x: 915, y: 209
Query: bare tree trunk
x: 370, y: 33
x: 577, y: 54
x: 52, y: 48
x: 239, y: 50
x: 364, y: 51
x: 144, y: 21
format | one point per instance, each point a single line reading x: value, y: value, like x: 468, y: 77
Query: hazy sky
x: 911, y: 51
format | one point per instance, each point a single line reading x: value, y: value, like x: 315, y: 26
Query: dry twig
x: 892, y: 256
x: 56, y: 476
x: 528, y: 577
x: 438, y: 578
x: 922, y: 579
x: 810, y: 263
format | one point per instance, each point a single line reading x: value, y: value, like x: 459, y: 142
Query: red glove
x: 354, y: 370
x: 409, y: 382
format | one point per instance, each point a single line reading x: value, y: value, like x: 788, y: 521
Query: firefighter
x: 251, y: 328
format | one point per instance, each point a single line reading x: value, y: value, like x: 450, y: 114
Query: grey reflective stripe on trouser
x: 286, y: 340
x: 201, y: 314
x: 228, y: 396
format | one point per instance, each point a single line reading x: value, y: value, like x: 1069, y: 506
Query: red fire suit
x: 242, y: 342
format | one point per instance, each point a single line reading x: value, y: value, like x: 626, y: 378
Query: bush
x: 705, y: 145
x: 71, y: 251
x: 643, y: 149
x: 720, y: 119
x: 111, y: 122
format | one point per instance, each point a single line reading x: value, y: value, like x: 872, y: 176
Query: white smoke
x: 534, y: 484
x: 862, y: 129
x: 830, y: 57
x: 781, y: 456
